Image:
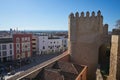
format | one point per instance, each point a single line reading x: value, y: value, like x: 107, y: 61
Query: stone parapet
x: 115, y: 58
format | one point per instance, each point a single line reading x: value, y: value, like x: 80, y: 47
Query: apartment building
x: 6, y: 49
x: 34, y: 44
x: 22, y: 45
x: 54, y: 44
x: 51, y: 44
x: 42, y: 44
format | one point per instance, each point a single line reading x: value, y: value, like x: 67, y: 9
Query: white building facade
x: 54, y: 45
x: 42, y: 44
x: 48, y: 45
x: 65, y: 43
x: 6, y: 49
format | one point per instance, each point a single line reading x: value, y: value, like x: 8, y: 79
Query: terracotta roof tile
x: 67, y: 67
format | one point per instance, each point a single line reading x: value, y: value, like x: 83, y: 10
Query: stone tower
x: 85, y: 38
x: 115, y: 58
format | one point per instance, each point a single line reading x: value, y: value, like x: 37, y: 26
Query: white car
x: 11, y: 73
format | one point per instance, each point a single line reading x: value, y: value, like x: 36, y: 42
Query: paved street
x: 35, y: 61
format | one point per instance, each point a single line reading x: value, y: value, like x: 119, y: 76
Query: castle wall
x: 85, y: 38
x: 115, y: 58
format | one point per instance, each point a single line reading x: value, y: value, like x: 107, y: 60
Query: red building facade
x: 22, y: 45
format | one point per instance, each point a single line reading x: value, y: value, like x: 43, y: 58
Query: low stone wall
x: 83, y: 74
x: 65, y: 58
x: 98, y: 75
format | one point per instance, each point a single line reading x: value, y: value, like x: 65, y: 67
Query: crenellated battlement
x: 86, y: 22
x: 84, y: 15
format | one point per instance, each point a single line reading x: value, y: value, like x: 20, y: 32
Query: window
x: 4, y: 53
x: 10, y: 51
x: 23, y: 49
x: 0, y: 47
x: 17, y: 51
x: 17, y: 45
x: 33, y: 43
x: 28, y: 38
x: 54, y: 41
x: 28, y: 44
x: 23, y: 45
x: 23, y: 39
x: 65, y: 41
x: 64, y: 45
x: 10, y: 46
x: 17, y: 39
x: 4, y: 47
x: 51, y: 47
x: 34, y: 39
x: 41, y: 52
x: 43, y: 47
x: 28, y: 48
x: 33, y: 48
x: 18, y: 56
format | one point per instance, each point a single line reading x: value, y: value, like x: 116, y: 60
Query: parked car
x: 11, y: 73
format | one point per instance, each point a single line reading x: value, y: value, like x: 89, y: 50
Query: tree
x: 117, y: 25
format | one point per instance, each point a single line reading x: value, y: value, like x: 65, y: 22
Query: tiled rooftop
x: 67, y: 67
x: 61, y: 71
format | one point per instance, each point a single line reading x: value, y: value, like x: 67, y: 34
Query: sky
x: 52, y: 14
